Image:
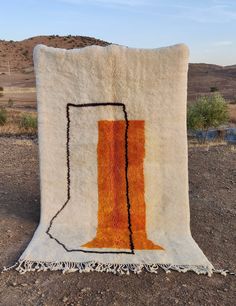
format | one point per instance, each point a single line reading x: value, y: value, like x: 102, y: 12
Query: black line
x: 68, y: 178
x: 86, y: 251
x: 68, y: 150
x: 96, y: 104
x: 127, y: 180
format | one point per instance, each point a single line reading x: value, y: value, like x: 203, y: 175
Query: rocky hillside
x: 19, y: 53
x: 16, y: 62
x: 204, y: 77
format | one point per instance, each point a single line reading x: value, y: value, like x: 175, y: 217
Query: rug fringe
x: 23, y: 266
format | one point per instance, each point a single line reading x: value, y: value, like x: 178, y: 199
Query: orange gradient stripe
x: 112, y: 230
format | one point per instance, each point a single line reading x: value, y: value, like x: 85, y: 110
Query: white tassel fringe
x: 23, y: 266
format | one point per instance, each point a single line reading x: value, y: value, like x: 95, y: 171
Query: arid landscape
x: 212, y: 202
x: 16, y: 70
x: 16, y: 66
x: 17, y: 79
x: 212, y: 189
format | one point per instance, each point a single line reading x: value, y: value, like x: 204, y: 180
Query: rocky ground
x: 213, y: 210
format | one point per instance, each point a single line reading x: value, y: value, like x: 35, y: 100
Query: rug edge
x: 23, y: 266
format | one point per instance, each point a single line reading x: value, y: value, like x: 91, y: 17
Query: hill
x: 203, y: 77
x: 19, y: 53
x: 16, y: 67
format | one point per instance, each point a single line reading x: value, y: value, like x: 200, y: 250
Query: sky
x: 208, y: 27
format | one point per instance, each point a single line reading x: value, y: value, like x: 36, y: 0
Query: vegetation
x: 28, y: 122
x: 233, y: 101
x: 3, y: 116
x: 17, y: 122
x: 10, y: 102
x: 25, y: 53
x: 208, y: 111
x: 214, y: 89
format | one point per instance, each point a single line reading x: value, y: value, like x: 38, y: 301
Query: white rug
x: 113, y: 162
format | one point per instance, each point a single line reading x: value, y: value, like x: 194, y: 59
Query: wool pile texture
x: 113, y: 162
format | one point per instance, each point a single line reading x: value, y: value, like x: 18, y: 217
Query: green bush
x: 28, y: 122
x: 3, y: 116
x: 208, y: 111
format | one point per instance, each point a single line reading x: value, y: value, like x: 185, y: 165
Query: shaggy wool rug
x: 113, y: 162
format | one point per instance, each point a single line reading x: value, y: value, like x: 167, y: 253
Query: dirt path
x: 213, y: 211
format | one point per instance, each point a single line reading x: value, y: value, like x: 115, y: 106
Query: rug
x: 113, y: 162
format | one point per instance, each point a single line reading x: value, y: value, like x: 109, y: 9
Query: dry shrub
x: 3, y: 116
x: 19, y: 123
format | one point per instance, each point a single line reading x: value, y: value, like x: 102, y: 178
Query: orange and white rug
x: 113, y: 162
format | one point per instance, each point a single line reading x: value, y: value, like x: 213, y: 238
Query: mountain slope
x: 203, y: 77
x: 16, y: 66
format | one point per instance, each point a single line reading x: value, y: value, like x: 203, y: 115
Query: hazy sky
x: 208, y: 27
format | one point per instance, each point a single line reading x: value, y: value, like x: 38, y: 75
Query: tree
x: 206, y: 112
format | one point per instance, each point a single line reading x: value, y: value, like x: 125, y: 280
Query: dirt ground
x: 213, y: 210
